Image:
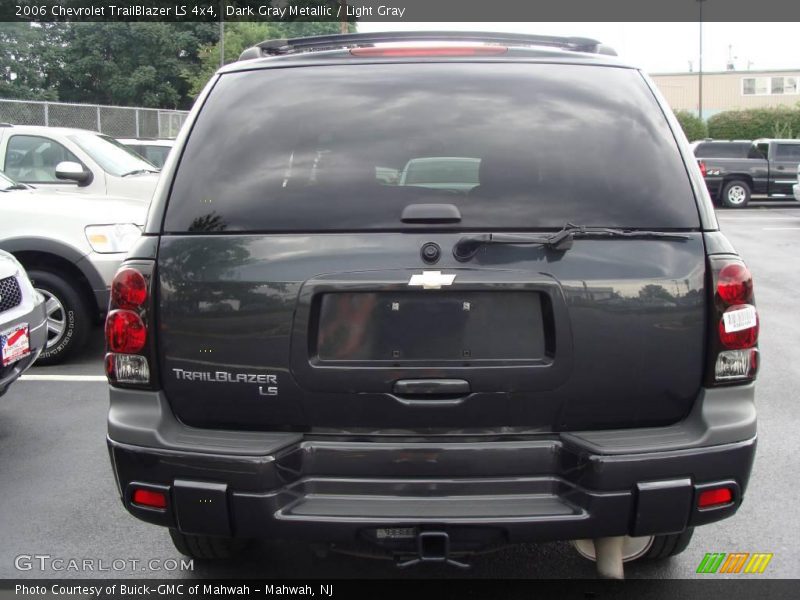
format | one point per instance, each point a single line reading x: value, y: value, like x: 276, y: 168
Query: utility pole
x: 700, y: 65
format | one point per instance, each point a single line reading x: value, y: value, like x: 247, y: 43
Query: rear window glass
x: 787, y: 152
x: 726, y: 150
x: 511, y: 145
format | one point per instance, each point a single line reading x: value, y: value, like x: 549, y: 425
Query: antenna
x: 731, y: 66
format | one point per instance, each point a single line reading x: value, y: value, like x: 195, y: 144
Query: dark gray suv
x: 556, y: 343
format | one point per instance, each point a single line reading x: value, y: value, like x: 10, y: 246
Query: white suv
x: 74, y: 160
x: 70, y: 245
x: 796, y: 186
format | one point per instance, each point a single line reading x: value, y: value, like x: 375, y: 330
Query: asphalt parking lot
x: 58, y: 497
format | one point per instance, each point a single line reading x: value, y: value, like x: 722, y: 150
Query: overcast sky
x: 661, y: 47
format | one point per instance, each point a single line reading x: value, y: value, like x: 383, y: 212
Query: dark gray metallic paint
x: 631, y: 323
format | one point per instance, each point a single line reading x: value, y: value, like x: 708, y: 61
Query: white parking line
x: 780, y: 228
x: 63, y: 378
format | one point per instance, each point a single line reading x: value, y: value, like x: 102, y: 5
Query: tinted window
x: 724, y: 150
x: 33, y: 159
x: 442, y: 172
x: 787, y: 152
x: 312, y: 148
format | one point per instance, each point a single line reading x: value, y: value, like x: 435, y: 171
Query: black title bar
x: 400, y: 10
x: 443, y: 588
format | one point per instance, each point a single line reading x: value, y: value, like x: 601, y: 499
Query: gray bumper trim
x: 720, y: 416
x: 144, y: 418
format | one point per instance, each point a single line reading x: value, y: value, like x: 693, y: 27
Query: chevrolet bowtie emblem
x: 431, y: 280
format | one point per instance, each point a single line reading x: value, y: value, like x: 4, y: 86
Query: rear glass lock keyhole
x: 431, y: 252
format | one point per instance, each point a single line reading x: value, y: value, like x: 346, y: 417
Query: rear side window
x: 725, y: 150
x: 511, y: 145
x: 787, y: 152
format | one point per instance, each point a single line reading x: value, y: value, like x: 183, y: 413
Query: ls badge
x: 431, y: 280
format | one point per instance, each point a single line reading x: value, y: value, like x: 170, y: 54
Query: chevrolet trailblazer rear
x: 549, y: 339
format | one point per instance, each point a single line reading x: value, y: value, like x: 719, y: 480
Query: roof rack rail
x: 329, y: 42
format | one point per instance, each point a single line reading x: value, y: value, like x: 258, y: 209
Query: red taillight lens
x: 716, y: 497
x: 149, y: 498
x: 703, y: 169
x: 733, y: 356
x: 128, y: 359
x: 399, y: 51
x: 110, y: 366
x: 125, y: 331
x: 735, y: 284
x: 738, y: 328
x: 129, y: 289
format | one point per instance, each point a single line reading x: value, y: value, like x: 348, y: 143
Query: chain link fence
x: 116, y: 121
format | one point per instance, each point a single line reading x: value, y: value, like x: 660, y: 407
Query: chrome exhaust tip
x: 632, y: 547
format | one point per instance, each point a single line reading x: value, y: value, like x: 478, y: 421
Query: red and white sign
x: 15, y: 344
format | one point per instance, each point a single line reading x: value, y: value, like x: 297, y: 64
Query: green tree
x: 694, y: 127
x: 779, y: 121
x: 129, y: 64
x: 26, y: 51
x: 243, y: 34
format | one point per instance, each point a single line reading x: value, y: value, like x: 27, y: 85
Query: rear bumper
x: 549, y: 487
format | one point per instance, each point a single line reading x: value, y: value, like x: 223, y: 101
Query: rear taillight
x: 703, y: 168
x: 734, y: 332
x: 125, y: 331
x: 128, y: 345
x: 129, y: 289
x: 738, y: 328
x: 735, y: 284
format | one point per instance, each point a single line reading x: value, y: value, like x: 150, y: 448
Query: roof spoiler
x: 330, y: 42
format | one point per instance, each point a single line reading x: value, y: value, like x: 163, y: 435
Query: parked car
x: 153, y: 150
x: 70, y: 245
x: 76, y: 160
x: 734, y: 170
x: 23, y: 329
x: 456, y: 173
x: 559, y: 353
